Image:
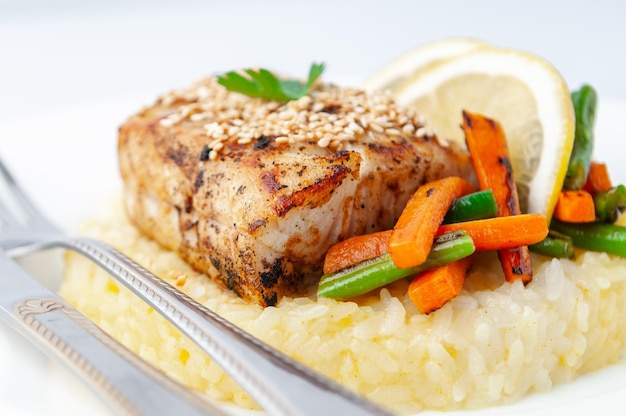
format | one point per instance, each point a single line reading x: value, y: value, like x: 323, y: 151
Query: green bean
x: 585, y: 101
x: 595, y: 236
x: 554, y: 245
x: 610, y: 203
x: 379, y: 271
x: 476, y: 206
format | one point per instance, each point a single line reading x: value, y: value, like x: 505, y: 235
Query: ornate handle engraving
x: 28, y: 311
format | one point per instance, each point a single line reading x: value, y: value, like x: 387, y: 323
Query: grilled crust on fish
x: 254, y: 192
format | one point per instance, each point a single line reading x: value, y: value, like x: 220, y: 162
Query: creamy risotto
x: 493, y: 344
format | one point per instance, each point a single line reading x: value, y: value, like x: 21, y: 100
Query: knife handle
x: 123, y: 380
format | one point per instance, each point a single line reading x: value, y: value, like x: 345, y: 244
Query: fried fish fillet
x: 253, y: 192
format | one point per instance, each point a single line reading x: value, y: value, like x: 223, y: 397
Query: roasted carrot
x: 502, y: 232
x: 355, y: 250
x: 598, y: 179
x: 575, y: 206
x: 487, y: 145
x: 413, y: 234
x: 432, y: 289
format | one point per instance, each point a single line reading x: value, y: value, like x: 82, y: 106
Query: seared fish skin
x: 253, y: 192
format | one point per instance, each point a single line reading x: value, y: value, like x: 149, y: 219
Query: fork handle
x: 280, y: 385
x: 128, y: 384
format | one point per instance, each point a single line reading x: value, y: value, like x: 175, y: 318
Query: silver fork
x: 279, y: 385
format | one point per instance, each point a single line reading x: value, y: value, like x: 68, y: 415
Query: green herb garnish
x: 263, y: 84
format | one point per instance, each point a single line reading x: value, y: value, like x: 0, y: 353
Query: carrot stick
x: 413, y: 234
x: 490, y: 156
x: 575, y: 206
x: 502, y: 232
x: 355, y: 250
x: 432, y: 289
x: 598, y: 179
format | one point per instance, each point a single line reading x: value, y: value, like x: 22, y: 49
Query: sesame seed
x: 166, y: 122
x: 346, y: 136
x: 317, y: 107
x: 377, y: 128
x: 381, y: 108
x: 355, y: 127
x: 198, y: 116
x: 408, y: 128
x: 324, y: 141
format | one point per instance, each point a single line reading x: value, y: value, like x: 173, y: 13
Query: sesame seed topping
x: 330, y: 116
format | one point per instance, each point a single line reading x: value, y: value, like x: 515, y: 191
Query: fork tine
x: 19, y: 196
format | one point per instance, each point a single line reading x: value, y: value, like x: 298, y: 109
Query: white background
x: 71, y: 71
x: 63, y: 53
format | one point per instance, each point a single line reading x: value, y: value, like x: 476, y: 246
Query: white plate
x: 66, y: 160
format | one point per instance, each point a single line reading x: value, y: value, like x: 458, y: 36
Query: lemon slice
x: 523, y: 92
x: 395, y: 74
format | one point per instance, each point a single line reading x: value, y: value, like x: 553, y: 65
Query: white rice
x: 493, y: 344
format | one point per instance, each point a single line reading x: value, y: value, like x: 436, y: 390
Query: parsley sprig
x: 263, y: 84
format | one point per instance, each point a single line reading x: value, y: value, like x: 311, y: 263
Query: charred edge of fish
x: 262, y: 142
x: 252, y: 227
x: 270, y: 300
x: 393, y: 186
x: 232, y: 280
x: 177, y: 155
x: 204, y: 154
x: 340, y: 156
x: 273, y: 272
x: 188, y: 225
x: 331, y: 109
x: 269, y: 182
x: 215, y: 262
x: 199, y: 180
x: 285, y: 203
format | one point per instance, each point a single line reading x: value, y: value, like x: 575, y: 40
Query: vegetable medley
x: 447, y: 221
